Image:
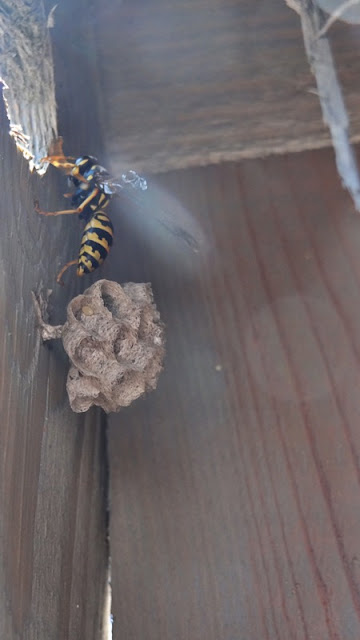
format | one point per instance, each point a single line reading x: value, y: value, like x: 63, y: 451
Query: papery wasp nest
x: 115, y: 341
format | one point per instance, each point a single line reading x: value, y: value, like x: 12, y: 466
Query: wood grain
x: 53, y: 548
x: 199, y: 82
x: 235, y: 486
x: 27, y: 73
x: 317, y: 46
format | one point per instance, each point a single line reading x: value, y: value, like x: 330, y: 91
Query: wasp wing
x: 129, y: 180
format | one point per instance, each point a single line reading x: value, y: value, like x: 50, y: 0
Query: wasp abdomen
x: 95, y: 243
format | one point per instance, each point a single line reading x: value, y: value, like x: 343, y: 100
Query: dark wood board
x: 52, y: 507
x: 235, y: 485
x: 53, y: 547
x: 197, y: 82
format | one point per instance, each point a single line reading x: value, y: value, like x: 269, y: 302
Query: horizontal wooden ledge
x: 196, y: 84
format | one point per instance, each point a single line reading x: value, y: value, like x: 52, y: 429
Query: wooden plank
x: 235, y: 486
x: 53, y: 549
x: 52, y: 522
x: 27, y: 75
x: 315, y: 28
x: 198, y: 82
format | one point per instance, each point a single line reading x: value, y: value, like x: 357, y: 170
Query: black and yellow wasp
x: 94, y: 189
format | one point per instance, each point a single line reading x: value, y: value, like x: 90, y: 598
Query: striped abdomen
x: 95, y: 243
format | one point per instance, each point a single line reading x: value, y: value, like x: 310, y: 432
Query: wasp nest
x: 115, y: 341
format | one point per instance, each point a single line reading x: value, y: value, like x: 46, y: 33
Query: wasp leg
x: 64, y: 163
x: 87, y: 201
x: 65, y: 267
x: 57, y: 158
x: 53, y: 213
x: 60, y: 162
x: 92, y: 195
x: 56, y: 147
x: 60, y: 158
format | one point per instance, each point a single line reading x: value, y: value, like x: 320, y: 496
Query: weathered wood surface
x: 27, y: 70
x: 53, y: 554
x: 197, y: 82
x: 315, y: 28
x: 235, y: 486
x: 52, y: 509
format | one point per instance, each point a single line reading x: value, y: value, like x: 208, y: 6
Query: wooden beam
x: 235, y: 485
x: 52, y: 510
x: 53, y: 548
x: 26, y: 68
x: 197, y: 82
x: 318, y: 50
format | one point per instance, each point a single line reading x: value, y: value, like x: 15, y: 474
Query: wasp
x: 94, y: 189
